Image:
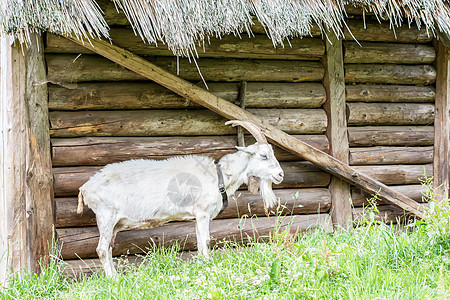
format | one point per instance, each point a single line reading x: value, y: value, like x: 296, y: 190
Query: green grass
x: 374, y: 261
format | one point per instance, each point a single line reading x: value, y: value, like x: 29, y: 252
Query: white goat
x: 148, y: 193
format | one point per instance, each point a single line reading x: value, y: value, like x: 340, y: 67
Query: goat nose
x: 281, y: 174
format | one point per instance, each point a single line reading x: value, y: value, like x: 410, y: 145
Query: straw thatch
x: 182, y: 24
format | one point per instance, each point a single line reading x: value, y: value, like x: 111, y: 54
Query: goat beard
x: 266, y: 192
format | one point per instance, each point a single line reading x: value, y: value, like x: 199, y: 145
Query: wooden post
x: 335, y: 108
x: 26, y: 210
x: 41, y: 210
x: 441, y: 123
x: 231, y: 111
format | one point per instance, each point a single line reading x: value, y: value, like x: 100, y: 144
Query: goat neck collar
x: 222, y: 189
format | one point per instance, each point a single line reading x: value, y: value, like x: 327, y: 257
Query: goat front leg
x: 202, y: 230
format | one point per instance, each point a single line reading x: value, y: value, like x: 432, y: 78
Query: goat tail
x: 80, y: 203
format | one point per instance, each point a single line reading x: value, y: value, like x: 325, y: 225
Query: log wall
x: 101, y: 113
x: 390, y: 98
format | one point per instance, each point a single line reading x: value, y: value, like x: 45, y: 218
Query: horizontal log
x: 258, y: 46
x: 293, y: 202
x: 388, y: 214
x: 147, y: 95
x: 391, y: 74
x: 388, y: 53
x: 94, y: 151
x: 391, y: 136
x: 385, y: 155
x: 389, y: 93
x: 82, y: 241
x: 176, y: 122
x: 390, y: 114
x: 71, y: 68
x: 383, y: 32
x: 413, y: 191
x: 67, y: 180
x: 396, y: 174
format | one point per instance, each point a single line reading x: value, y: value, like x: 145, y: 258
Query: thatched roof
x: 181, y: 24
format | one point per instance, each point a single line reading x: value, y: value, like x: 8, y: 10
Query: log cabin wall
x: 390, y: 94
x: 101, y: 113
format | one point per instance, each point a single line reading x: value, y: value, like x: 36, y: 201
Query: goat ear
x: 248, y: 150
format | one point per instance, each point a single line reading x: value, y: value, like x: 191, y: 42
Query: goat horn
x: 252, y: 128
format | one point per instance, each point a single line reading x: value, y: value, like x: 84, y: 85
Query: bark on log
x: 382, y: 155
x: 413, y: 191
x: 390, y: 93
x: 94, y: 151
x: 229, y: 46
x: 391, y: 136
x: 397, y: 174
x: 390, y: 114
x: 382, y: 32
x: 391, y: 74
x: 388, y: 53
x: 70, y: 68
x: 67, y: 180
x: 293, y: 202
x: 139, y: 95
x: 82, y: 241
x: 176, y: 122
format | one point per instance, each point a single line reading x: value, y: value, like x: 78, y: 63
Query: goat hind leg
x: 104, y: 248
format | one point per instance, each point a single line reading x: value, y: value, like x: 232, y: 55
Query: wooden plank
x: 335, y: 107
x: 414, y: 191
x: 71, y: 68
x: 388, y: 155
x: 388, y: 53
x: 67, y: 180
x: 229, y: 46
x: 228, y: 110
x: 140, y: 95
x: 391, y: 74
x: 442, y: 135
x: 396, y: 174
x: 390, y: 114
x: 293, y: 202
x: 389, y: 93
x: 382, y: 32
x: 15, y: 253
x: 82, y: 241
x: 94, y: 151
x: 176, y: 122
x: 391, y: 136
x: 39, y: 182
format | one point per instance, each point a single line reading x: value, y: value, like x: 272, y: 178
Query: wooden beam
x: 41, y: 215
x: 26, y: 211
x: 231, y: 111
x: 335, y: 107
x: 14, y: 254
x: 441, y: 123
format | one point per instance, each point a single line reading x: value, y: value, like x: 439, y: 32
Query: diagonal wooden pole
x: 230, y: 111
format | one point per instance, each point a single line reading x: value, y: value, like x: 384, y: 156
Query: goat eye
x: 263, y: 156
